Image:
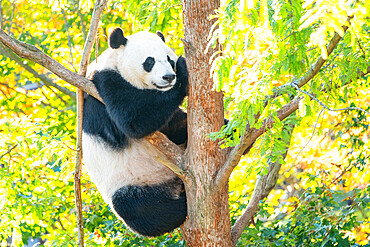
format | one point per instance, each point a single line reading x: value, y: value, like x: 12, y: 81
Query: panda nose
x: 169, y: 77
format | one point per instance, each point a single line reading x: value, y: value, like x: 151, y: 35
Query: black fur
x: 160, y: 34
x: 97, y: 122
x: 139, y: 112
x: 176, y: 128
x: 171, y: 62
x: 130, y: 112
x: 149, y: 64
x: 116, y: 38
x: 151, y: 210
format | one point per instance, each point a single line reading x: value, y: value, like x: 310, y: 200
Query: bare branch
x: 309, y: 140
x: 98, y: 10
x: 248, y: 139
x: 245, y: 142
x: 174, y: 154
x: 8, y: 151
x: 99, y: 7
x: 34, y: 54
x: 326, y: 107
x: 262, y: 189
x: 31, y: 52
x: 69, y: 38
x: 47, y: 81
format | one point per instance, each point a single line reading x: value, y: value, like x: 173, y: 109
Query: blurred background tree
x: 322, y: 195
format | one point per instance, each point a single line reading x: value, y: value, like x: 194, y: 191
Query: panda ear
x: 161, y: 35
x: 116, y: 38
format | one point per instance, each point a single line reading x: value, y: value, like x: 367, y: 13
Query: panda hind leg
x: 151, y: 210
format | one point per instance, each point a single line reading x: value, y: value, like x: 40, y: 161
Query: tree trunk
x: 208, y: 211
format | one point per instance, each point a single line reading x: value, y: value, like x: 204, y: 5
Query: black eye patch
x: 148, y: 64
x: 171, y: 62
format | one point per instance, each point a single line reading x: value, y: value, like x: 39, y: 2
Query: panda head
x: 143, y: 59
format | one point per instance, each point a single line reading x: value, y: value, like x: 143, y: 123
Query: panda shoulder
x: 106, y: 61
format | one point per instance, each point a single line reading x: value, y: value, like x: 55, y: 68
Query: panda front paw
x: 182, y: 75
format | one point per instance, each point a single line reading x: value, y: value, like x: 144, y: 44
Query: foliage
x: 320, y: 217
x: 322, y: 197
x: 36, y: 176
x: 267, y: 45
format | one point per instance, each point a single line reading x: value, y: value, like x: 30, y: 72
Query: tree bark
x: 208, y: 221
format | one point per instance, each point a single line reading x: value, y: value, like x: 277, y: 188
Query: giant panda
x: 142, y: 83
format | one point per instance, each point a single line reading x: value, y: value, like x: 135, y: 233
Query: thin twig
x: 32, y: 53
x: 313, y: 133
x: 98, y: 10
x: 348, y: 168
x: 263, y: 187
x: 8, y: 151
x: 326, y: 107
x: 234, y: 157
x: 69, y: 39
x: 46, y: 80
x: 74, y: 150
x: 359, y: 45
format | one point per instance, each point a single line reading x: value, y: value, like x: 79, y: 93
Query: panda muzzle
x: 169, y: 85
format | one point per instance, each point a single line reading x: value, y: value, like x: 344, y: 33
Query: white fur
x: 134, y: 165
x: 128, y: 61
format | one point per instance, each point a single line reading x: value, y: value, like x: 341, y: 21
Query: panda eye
x: 148, y: 64
x: 171, y: 62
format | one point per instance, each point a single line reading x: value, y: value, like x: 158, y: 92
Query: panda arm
x: 176, y: 128
x: 139, y: 112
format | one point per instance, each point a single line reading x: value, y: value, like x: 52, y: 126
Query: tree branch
x: 95, y: 19
x: 252, y: 134
x: 326, y: 107
x: 174, y: 154
x: 32, y: 53
x: 8, y: 151
x: 245, y: 141
x: 262, y: 189
x: 315, y: 68
x: 248, y: 139
x: 47, y: 81
x: 69, y: 38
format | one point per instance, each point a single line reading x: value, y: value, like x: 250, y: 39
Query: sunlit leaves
x: 36, y: 177
x: 258, y: 57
